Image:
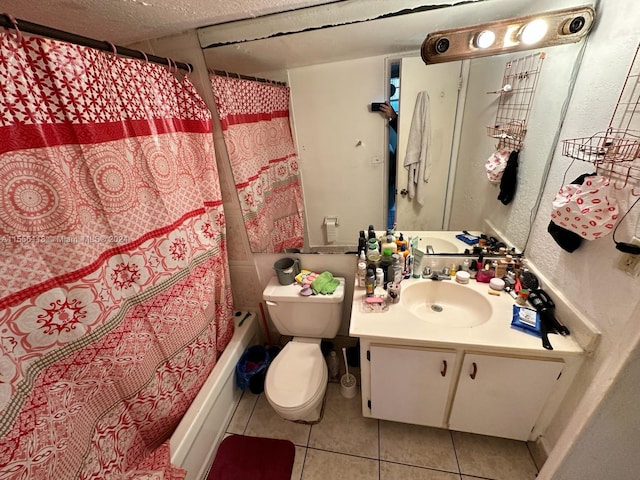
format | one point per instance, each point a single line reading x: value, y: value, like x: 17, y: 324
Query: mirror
x: 334, y: 75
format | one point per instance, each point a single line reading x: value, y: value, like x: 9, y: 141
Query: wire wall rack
x: 615, y: 152
x: 516, y: 97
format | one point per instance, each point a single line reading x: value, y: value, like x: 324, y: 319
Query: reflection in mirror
x: 254, y: 116
x: 343, y: 146
x: 429, y: 100
x: 475, y: 205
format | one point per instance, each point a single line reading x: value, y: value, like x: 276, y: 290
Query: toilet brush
x: 348, y: 386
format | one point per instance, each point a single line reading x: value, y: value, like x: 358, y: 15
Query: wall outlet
x: 628, y: 263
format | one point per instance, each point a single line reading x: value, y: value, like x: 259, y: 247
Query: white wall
x: 606, y: 446
x: 588, y: 277
x: 337, y: 138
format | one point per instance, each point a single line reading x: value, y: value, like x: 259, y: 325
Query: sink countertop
x: 398, y: 324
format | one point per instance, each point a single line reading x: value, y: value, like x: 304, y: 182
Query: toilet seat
x: 296, y: 377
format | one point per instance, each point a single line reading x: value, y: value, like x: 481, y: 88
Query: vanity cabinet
x: 502, y: 395
x: 410, y: 384
x: 478, y: 392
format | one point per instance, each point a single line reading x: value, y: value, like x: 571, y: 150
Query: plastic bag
x: 251, y: 369
x: 590, y: 209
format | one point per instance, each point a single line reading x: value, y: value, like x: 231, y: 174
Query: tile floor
x: 345, y: 445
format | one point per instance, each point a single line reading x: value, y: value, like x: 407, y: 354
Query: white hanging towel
x: 417, y: 159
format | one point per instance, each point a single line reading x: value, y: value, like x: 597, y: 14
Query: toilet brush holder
x: 348, y: 386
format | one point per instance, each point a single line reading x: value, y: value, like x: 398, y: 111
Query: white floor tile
x: 395, y: 471
x: 492, y: 457
x: 417, y: 445
x: 265, y: 422
x: 321, y: 465
x: 343, y: 429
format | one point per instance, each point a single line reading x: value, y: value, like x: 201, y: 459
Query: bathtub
x: 195, y: 441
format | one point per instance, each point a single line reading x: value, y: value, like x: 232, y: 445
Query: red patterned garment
x: 115, y: 296
x: 257, y: 133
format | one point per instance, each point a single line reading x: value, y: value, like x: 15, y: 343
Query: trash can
x: 286, y: 270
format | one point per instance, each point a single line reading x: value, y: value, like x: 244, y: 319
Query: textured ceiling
x: 127, y: 21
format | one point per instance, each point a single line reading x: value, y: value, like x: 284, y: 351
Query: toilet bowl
x: 296, y: 380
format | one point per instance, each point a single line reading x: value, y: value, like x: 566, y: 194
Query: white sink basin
x: 439, y: 245
x: 446, y: 303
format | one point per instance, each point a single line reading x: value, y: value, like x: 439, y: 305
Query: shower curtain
x: 115, y: 296
x: 257, y: 134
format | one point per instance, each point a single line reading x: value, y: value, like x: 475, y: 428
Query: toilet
x: 297, y: 378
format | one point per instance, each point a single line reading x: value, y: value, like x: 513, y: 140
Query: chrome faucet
x: 430, y: 250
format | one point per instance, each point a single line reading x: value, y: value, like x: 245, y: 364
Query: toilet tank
x: 315, y: 316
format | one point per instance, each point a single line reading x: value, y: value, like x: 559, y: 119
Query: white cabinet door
x: 409, y: 384
x: 502, y: 396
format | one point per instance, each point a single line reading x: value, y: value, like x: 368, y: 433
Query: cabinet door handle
x: 443, y: 372
x: 474, y: 372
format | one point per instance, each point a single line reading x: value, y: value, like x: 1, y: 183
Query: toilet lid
x: 295, y: 375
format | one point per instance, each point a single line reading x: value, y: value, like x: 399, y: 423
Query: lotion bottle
x: 389, y: 245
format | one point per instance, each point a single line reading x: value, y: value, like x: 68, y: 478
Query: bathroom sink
x: 439, y: 245
x: 446, y: 303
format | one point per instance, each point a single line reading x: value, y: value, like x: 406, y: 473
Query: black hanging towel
x: 509, y: 179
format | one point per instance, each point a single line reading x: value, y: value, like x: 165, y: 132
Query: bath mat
x: 241, y: 458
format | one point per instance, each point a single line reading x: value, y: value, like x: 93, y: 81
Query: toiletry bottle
x: 373, y: 260
x: 452, y: 270
x: 465, y: 265
x: 371, y: 233
x: 370, y: 283
x: 362, y: 274
x: 473, y: 269
x: 389, y: 244
x: 379, y: 277
x: 486, y: 274
x: 372, y: 245
x: 397, y: 270
x: 334, y: 367
x: 362, y: 257
x: 510, y: 263
x: 408, y: 266
x: 501, y: 269
x: 402, y: 244
x: 385, y: 262
x: 362, y: 243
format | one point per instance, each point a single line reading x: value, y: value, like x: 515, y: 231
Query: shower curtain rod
x: 223, y: 73
x: 34, y: 28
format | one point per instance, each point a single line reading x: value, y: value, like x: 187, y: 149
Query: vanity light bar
x: 511, y: 35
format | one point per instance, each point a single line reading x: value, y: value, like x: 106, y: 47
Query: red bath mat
x: 242, y: 458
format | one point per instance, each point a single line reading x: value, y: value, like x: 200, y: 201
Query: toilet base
x: 318, y: 413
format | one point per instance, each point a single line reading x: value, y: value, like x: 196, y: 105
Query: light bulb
x: 485, y: 39
x: 533, y: 32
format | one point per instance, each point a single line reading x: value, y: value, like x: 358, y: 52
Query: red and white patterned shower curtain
x: 113, y: 261
x: 257, y: 134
